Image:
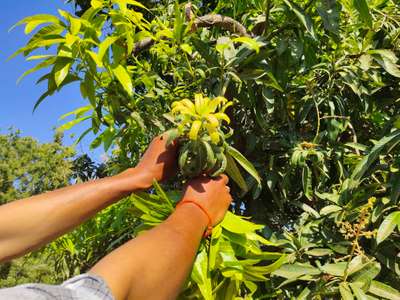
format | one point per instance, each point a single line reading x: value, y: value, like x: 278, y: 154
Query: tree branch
x: 210, y: 20
x: 224, y: 22
x: 144, y: 44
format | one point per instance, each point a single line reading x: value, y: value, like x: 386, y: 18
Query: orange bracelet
x: 209, y: 226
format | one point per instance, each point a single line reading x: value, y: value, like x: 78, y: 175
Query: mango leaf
x: 329, y: 209
x: 96, y: 3
x: 382, y: 290
x: 305, y: 294
x: 43, y: 42
x: 77, y: 112
x: 303, y: 17
x: 95, y: 58
x: 319, y: 252
x: 387, y: 226
x: 395, y: 189
x: 75, y: 25
x: 131, y: 2
x: 249, y: 42
x: 307, y: 182
x: 359, y: 293
x: 72, y: 123
x: 233, y: 172
x: 105, y: 45
x: 269, y: 99
x: 237, y: 224
x: 61, y: 69
x: 37, y: 20
x: 201, y: 276
x: 335, y: 269
x: 362, y: 167
x: 368, y: 272
x: 389, y: 66
x: 362, y: 7
x: 244, y: 163
x: 329, y: 12
x: 124, y: 78
x: 49, y: 61
x: 296, y: 270
x: 345, y: 291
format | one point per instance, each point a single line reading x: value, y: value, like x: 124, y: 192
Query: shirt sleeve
x: 85, y: 286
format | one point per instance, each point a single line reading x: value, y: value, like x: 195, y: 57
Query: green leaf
x: 389, y: 66
x: 233, y: 172
x: 244, y: 163
x: 249, y: 42
x: 329, y: 12
x: 201, y: 276
x: 359, y: 293
x: 319, y: 252
x: 187, y: 48
x: 307, y: 182
x: 329, y: 209
x: 335, y: 269
x: 237, y: 224
x: 75, y: 25
x: 269, y: 99
x: 43, y: 42
x: 96, y: 3
x: 296, y: 270
x: 105, y: 45
x: 382, y: 290
x: 36, y: 20
x: 124, y: 78
x: 305, y: 294
x: 303, y: 17
x: 39, y: 66
x: 395, y: 189
x: 387, y: 226
x: 368, y: 272
x: 362, y: 167
x: 41, y: 99
x: 95, y: 58
x: 70, y: 124
x: 131, y: 2
x: 362, y: 7
x: 307, y: 208
x: 345, y: 291
x: 77, y: 112
x: 61, y: 69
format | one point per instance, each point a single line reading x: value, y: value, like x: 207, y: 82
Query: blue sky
x: 17, y: 101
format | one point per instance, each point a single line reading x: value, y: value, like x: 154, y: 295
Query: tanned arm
x: 30, y: 223
x: 156, y: 264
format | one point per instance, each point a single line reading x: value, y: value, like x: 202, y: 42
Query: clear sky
x: 17, y: 101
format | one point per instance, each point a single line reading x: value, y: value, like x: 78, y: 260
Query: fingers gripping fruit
x: 200, y: 128
x: 200, y: 157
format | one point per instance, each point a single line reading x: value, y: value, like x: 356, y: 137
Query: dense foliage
x: 316, y: 92
x: 28, y: 168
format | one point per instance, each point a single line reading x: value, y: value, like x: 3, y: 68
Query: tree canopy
x: 28, y: 168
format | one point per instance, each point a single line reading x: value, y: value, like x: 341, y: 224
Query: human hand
x: 211, y: 194
x: 157, y: 163
x: 159, y: 160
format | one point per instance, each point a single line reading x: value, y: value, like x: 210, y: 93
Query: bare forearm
x: 32, y: 222
x: 156, y: 264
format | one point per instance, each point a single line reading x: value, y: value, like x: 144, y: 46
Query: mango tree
x: 315, y: 93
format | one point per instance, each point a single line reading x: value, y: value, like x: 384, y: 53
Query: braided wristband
x: 209, y: 226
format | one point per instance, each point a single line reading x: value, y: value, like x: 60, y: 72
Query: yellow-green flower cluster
x: 203, y: 116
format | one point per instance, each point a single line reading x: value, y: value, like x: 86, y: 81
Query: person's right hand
x: 211, y: 193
